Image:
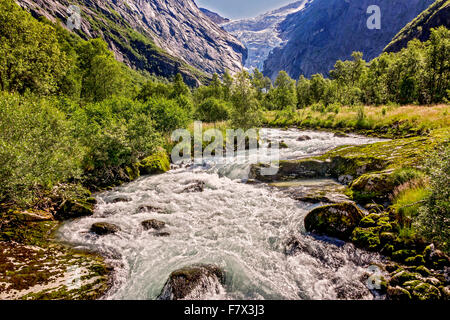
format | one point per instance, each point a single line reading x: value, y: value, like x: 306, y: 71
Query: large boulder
x: 336, y: 220
x: 104, y: 228
x: 195, y: 282
x: 373, y: 186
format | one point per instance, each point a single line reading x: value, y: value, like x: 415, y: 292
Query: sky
x: 238, y: 9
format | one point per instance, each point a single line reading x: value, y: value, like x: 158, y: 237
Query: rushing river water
x: 239, y: 226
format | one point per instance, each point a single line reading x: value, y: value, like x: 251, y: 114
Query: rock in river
x: 153, y: 224
x: 103, y: 228
x: 336, y: 220
x: 195, y: 282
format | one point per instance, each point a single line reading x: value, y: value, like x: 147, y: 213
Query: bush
x: 434, y: 219
x: 167, y: 114
x: 37, y: 149
x: 213, y: 110
x: 115, y: 132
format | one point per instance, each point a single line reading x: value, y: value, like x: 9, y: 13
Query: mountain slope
x: 260, y: 35
x: 162, y: 36
x: 329, y: 30
x: 438, y: 14
x: 215, y: 17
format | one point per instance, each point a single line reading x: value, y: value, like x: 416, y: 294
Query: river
x: 242, y: 227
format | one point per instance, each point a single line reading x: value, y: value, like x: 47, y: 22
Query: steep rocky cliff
x: 215, y: 17
x: 161, y: 36
x: 438, y: 14
x: 329, y: 30
x: 260, y: 35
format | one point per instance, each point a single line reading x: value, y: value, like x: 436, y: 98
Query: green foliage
x: 167, y: 114
x: 102, y: 75
x: 245, y: 112
x: 36, y: 147
x: 30, y: 55
x: 419, y: 73
x: 434, y: 219
x: 213, y: 110
x: 284, y: 93
x: 115, y: 132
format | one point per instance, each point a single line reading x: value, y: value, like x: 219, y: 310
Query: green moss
x: 402, y: 255
x: 367, y: 238
x: 425, y: 291
x: 415, y: 261
x: 157, y: 163
x: 133, y: 172
x: 423, y: 271
x: 367, y: 221
x: 403, y: 276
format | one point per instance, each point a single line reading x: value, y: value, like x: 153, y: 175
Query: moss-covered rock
x: 366, y: 238
x: 398, y: 293
x: 369, y: 221
x: 425, y: 291
x: 403, y: 276
x: 422, y: 270
x: 283, y: 145
x: 193, y: 282
x: 435, y: 258
x: 157, y: 163
x: 445, y: 291
x: 387, y: 238
x: 133, y: 172
x: 337, y: 220
x: 402, y: 255
x: 291, y: 169
x: 373, y: 186
x: 415, y: 261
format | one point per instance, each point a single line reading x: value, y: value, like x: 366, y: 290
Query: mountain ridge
x: 163, y: 37
x: 438, y: 14
x: 330, y: 30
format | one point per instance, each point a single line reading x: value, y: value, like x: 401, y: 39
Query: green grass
x: 387, y: 121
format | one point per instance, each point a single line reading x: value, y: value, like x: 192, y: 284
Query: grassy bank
x: 382, y: 121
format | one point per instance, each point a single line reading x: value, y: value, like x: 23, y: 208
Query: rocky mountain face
x: 216, y: 18
x: 261, y: 34
x: 438, y: 14
x: 161, y: 36
x: 314, y: 38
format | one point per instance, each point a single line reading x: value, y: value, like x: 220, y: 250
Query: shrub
x: 37, y: 149
x: 213, y: 110
x: 115, y: 132
x: 434, y: 219
x: 167, y: 114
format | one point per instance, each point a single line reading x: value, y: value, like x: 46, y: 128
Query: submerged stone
x: 304, y: 138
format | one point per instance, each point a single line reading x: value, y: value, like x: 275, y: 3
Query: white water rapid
x: 238, y: 226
